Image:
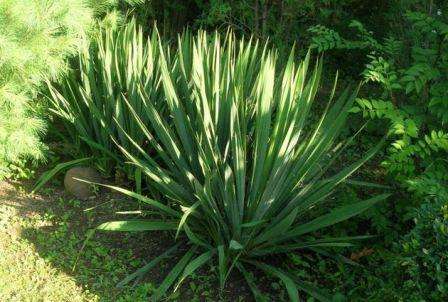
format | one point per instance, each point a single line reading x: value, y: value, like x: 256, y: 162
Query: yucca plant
x: 91, y: 97
x: 243, y: 172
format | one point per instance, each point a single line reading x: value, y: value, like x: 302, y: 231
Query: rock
x: 77, y: 188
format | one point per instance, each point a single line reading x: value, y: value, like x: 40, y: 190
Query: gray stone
x: 77, y: 188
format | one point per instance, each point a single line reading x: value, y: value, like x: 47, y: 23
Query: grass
x: 24, y: 274
x: 40, y: 239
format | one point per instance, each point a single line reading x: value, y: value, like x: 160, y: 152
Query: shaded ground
x: 40, y: 241
x: 24, y: 274
x: 41, y: 237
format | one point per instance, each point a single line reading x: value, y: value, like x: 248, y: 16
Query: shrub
x: 239, y: 172
x: 408, y: 258
x: 424, y: 251
x: 407, y: 84
x: 35, y: 39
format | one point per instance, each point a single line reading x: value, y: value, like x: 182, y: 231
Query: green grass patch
x: 40, y: 242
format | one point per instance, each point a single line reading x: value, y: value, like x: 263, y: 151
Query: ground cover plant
x: 238, y: 170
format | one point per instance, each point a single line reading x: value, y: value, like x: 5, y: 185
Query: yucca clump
x: 240, y: 171
x: 91, y: 99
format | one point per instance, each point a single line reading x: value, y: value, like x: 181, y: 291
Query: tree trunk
x: 256, y: 17
x: 264, y: 18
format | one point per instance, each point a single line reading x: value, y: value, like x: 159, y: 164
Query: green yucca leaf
x: 334, y: 217
x: 173, y: 274
x: 194, y: 238
x: 143, y: 270
x: 252, y: 284
x: 137, y: 225
x: 222, y: 267
x: 45, y: 177
x: 151, y: 202
x: 326, y: 242
x: 187, y: 211
x: 290, y: 285
x: 100, y: 147
x: 194, y: 265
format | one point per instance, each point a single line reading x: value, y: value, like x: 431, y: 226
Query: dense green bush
x: 414, y: 267
x: 407, y: 86
x: 424, y: 251
x: 283, y: 22
x: 36, y: 37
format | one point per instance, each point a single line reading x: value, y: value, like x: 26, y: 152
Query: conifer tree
x: 36, y: 37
